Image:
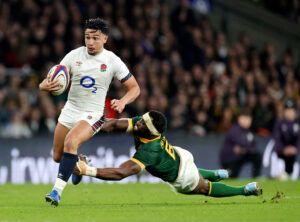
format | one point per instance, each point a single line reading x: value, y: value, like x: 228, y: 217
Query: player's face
x: 141, y: 129
x: 94, y: 41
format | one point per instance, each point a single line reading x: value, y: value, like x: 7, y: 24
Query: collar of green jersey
x: 144, y: 140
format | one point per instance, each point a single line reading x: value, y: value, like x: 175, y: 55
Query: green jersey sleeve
x: 132, y: 122
x: 135, y: 119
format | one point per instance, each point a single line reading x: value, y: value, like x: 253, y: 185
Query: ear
x: 105, y: 37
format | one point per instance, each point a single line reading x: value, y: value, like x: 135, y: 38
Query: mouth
x: 90, y: 49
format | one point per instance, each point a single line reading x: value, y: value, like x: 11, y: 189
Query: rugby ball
x: 61, y: 73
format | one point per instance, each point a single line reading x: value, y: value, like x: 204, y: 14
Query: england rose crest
x: 103, y: 67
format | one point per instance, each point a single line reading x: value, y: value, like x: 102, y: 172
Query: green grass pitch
x: 148, y: 202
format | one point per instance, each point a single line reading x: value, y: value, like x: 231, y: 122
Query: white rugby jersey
x: 91, y: 77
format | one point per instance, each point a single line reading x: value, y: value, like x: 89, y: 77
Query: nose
x: 89, y: 42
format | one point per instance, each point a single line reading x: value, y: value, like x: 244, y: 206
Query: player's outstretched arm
x: 115, y: 125
x: 126, y: 169
x: 47, y: 85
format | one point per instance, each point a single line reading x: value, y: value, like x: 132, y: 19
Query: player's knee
x: 203, y: 187
x: 71, y: 144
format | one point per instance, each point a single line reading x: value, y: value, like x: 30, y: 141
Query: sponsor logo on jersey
x: 103, y: 67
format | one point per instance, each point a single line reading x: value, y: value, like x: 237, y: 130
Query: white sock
x: 59, y: 185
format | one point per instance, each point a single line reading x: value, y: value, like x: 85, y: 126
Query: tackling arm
x: 126, y: 169
x: 115, y: 125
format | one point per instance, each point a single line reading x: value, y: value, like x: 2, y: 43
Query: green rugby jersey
x: 157, y: 156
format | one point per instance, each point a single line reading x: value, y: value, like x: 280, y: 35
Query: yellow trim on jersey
x: 144, y: 140
x: 130, y: 125
x: 138, y: 163
x: 210, y: 188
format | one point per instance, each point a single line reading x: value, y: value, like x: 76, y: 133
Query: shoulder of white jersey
x: 108, y: 52
x: 76, y: 51
x: 111, y: 55
x: 79, y: 49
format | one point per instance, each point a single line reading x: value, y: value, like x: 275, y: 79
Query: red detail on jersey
x: 103, y: 67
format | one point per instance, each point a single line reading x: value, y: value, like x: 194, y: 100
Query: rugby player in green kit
x: 172, y: 164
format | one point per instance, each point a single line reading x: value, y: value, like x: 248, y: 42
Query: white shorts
x: 70, y: 116
x: 188, y: 175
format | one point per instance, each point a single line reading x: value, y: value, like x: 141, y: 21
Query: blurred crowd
x: 185, y: 67
x: 290, y: 9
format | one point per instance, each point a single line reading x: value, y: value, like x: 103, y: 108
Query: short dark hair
x: 159, y: 121
x: 244, y: 111
x: 98, y: 24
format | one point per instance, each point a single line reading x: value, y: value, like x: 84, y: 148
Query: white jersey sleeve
x: 121, y: 71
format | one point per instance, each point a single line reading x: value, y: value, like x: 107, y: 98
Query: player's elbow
x: 135, y: 90
x: 138, y: 91
x: 120, y: 175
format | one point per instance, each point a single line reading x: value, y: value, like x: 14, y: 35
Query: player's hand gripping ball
x: 61, y: 73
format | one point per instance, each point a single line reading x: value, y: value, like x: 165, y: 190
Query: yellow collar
x: 144, y: 140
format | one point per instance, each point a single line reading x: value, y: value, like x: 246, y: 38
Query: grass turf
x: 147, y: 202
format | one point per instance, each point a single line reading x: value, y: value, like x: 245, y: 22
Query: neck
x: 150, y: 137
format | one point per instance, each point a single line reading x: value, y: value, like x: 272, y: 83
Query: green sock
x: 208, y: 174
x: 222, y: 190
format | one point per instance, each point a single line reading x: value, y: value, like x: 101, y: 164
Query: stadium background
x: 197, y: 61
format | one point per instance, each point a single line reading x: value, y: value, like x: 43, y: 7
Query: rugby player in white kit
x: 92, y: 69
